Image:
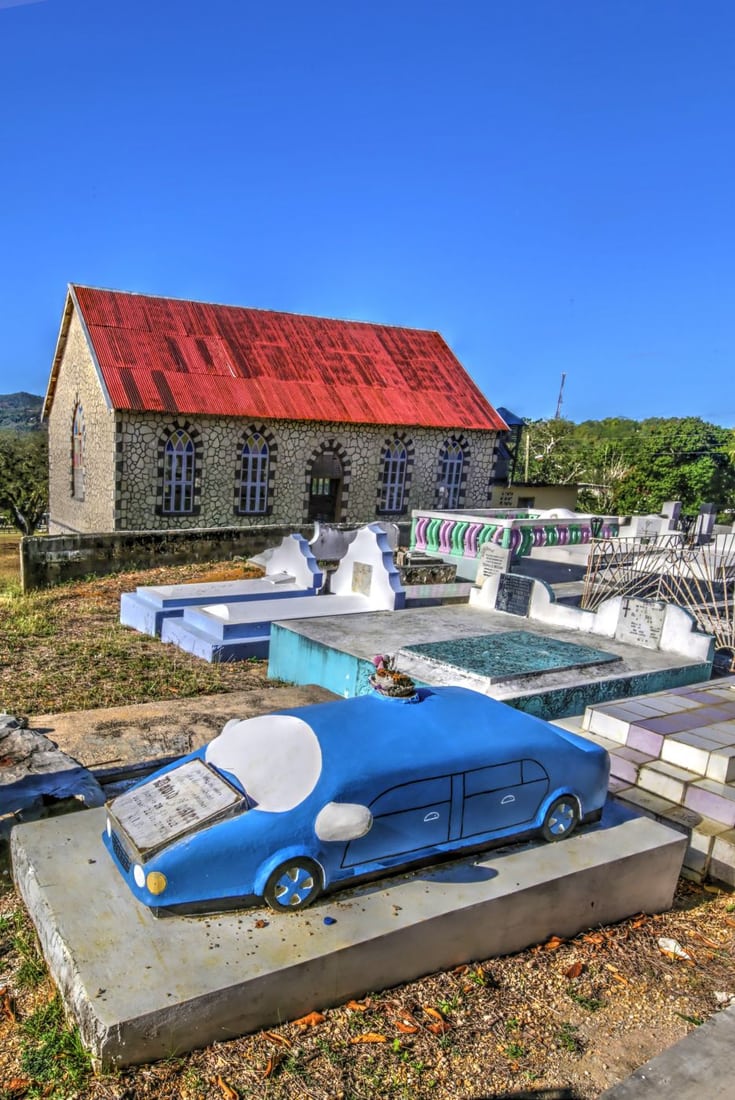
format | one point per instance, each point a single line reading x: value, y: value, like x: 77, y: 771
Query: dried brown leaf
x: 616, y: 974
x: 276, y: 1038
x: 553, y: 943
x: 358, y: 1006
x: 270, y: 1066
x: 369, y: 1037
x: 227, y: 1090
x: 438, y: 1028
x: 18, y: 1086
x: 574, y: 970
x: 312, y: 1019
x: 406, y: 1028
x: 6, y: 1003
x: 435, y: 1013
x: 707, y: 942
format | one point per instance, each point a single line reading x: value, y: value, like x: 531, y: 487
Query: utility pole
x: 557, y: 414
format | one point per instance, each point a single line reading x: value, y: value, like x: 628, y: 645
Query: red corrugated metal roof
x: 166, y: 355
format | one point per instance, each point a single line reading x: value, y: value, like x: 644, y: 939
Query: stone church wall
x: 296, y: 445
x: 78, y: 384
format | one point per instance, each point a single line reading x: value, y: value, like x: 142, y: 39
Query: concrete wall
x: 52, y: 560
x: 78, y: 384
x: 539, y: 496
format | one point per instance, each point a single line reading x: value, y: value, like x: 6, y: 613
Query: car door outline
x: 502, y: 796
x: 407, y: 819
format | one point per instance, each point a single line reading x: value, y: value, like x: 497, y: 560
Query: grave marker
x: 362, y: 578
x: 493, y: 560
x: 514, y: 594
x: 641, y: 622
x: 187, y: 797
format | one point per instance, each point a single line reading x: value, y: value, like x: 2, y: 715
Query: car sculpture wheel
x: 561, y: 818
x: 293, y: 885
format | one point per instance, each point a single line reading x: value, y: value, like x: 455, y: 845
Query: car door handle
x: 508, y: 799
x: 433, y: 816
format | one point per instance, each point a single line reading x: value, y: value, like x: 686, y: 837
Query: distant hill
x: 20, y: 412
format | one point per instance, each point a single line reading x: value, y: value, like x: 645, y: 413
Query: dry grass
x: 64, y: 649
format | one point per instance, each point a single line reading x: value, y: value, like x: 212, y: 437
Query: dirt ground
x: 114, y: 736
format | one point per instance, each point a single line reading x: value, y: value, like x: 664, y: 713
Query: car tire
x: 562, y: 818
x: 293, y: 885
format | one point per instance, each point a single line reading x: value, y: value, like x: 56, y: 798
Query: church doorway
x: 325, y: 488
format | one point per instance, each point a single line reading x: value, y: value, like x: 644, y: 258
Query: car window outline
x: 446, y: 777
x: 544, y: 778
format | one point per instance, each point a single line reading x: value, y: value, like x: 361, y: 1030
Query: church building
x: 168, y: 414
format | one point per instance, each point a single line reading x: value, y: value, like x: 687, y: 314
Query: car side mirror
x: 343, y: 821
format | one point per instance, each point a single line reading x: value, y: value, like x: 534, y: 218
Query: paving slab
x: 142, y: 988
x: 699, y: 1067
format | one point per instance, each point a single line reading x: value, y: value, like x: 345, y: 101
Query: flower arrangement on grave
x: 390, y: 681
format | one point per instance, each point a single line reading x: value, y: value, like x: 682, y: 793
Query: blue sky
x: 549, y: 183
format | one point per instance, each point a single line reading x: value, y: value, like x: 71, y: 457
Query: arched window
x: 178, y: 473
x: 392, y: 488
x: 451, y: 461
x: 77, y: 454
x: 254, y: 474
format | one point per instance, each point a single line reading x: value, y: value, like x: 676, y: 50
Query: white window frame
x: 393, y: 485
x: 178, y: 474
x: 78, y: 478
x: 254, y: 471
x: 450, y: 479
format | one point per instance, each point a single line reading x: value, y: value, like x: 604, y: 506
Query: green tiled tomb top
x: 510, y: 654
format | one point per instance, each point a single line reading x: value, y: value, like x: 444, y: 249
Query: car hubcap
x: 294, y: 886
x: 562, y: 819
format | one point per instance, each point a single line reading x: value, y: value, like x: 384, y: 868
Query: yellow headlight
x: 156, y: 882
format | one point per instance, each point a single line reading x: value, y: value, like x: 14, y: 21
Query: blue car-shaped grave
x: 282, y: 807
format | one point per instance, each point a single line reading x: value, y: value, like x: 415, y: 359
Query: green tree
x: 548, y: 454
x: 24, y: 478
x: 682, y: 459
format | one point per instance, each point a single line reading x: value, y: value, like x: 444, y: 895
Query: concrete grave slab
x: 712, y: 799
x: 337, y: 653
x: 120, y: 971
x: 365, y: 580
x: 291, y: 570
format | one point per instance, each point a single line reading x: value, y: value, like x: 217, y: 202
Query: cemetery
x: 628, y: 677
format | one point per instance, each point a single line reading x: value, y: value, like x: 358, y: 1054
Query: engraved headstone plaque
x: 648, y: 526
x: 362, y: 578
x: 182, y: 799
x: 641, y: 622
x: 514, y: 594
x: 493, y: 560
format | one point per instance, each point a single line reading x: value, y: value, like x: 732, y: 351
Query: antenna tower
x: 557, y: 414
